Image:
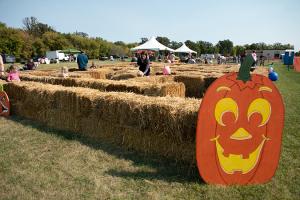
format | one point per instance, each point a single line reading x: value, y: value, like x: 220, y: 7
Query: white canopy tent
x: 184, y: 49
x: 152, y: 44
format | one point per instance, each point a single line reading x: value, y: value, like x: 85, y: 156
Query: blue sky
x: 241, y: 21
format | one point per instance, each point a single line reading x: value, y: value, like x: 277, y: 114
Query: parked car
x: 103, y: 58
x: 116, y: 56
x: 8, y: 58
x: 56, y: 56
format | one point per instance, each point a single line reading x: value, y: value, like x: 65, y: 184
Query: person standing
x: 261, y: 60
x: 254, y: 56
x: 1, y: 66
x: 144, y: 64
x: 82, y: 61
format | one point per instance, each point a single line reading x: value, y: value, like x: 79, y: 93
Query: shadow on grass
x: 165, y: 169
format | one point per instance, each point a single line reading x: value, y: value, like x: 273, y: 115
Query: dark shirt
x: 82, y: 61
x: 30, y: 66
x: 144, y: 66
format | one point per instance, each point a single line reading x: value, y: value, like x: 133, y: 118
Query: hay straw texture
x: 153, y: 125
x: 145, y: 88
x: 95, y: 74
x: 195, y: 85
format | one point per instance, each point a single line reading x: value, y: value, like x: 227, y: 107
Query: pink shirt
x: 13, y: 76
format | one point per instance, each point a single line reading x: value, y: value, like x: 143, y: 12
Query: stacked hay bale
x: 96, y: 73
x: 123, y: 76
x: 73, y: 73
x: 153, y: 125
x: 146, y: 88
x: 195, y: 85
x: 39, y: 72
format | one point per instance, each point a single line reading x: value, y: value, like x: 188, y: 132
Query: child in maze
x: 167, y: 70
x: 93, y: 66
x: 64, y: 73
x: 13, y: 74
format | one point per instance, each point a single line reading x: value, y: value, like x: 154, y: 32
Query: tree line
x: 35, y: 38
x: 224, y: 47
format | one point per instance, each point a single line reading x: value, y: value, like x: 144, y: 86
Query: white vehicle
x: 56, y: 56
x: 207, y: 56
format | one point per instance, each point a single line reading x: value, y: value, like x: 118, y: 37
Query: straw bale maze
x: 154, y: 115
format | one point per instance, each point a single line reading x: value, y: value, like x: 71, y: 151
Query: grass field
x: 38, y: 162
x: 68, y: 64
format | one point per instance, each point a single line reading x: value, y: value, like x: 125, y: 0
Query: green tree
x: 36, y: 28
x: 82, y: 34
x: 143, y: 40
x: 117, y: 50
x: 205, y: 47
x: 175, y: 45
x: 225, y: 47
x: 104, y: 48
x: 192, y: 45
x: 55, y: 41
x: 15, y: 42
x: 39, y: 48
x: 131, y: 45
x: 120, y: 43
x: 238, y: 50
x: 164, y: 40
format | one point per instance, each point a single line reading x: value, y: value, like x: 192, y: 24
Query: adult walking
x: 82, y: 61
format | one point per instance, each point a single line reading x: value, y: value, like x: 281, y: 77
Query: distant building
x: 269, y: 54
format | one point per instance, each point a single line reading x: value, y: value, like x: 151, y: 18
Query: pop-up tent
x: 153, y: 45
x: 184, y: 49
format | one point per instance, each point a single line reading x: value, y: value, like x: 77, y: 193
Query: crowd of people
x: 142, y: 59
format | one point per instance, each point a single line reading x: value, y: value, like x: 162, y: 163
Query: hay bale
x: 168, y: 89
x: 95, y: 73
x: 152, y: 125
x: 39, y: 72
x: 195, y: 85
x: 124, y: 76
x: 155, y: 79
x: 144, y: 88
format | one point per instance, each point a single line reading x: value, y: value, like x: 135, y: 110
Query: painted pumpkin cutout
x: 4, y: 103
x: 240, y: 123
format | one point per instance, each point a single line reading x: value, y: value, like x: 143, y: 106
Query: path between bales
x: 42, y: 163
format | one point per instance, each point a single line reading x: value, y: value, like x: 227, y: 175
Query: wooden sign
x: 239, y: 129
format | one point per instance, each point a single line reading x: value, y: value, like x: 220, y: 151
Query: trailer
x: 56, y: 56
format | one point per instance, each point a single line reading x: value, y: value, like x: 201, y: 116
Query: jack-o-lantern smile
x: 236, y: 163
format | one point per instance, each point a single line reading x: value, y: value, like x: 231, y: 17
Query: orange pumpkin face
x: 4, y: 104
x: 239, y: 131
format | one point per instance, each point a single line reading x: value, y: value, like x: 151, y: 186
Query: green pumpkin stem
x: 1, y: 88
x: 244, y: 72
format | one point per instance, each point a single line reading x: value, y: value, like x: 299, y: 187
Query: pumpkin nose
x: 241, y: 134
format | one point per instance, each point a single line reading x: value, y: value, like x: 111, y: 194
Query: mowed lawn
x: 57, y: 66
x: 37, y: 162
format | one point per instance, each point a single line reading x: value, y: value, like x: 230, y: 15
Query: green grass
x: 38, y: 162
x: 68, y: 64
